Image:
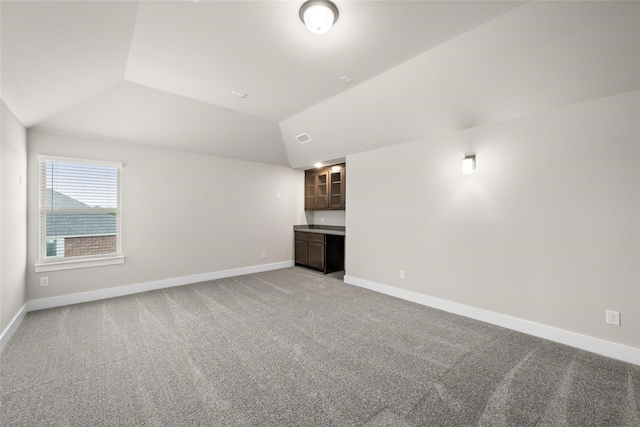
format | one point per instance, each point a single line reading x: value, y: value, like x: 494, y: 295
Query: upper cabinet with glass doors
x: 325, y: 188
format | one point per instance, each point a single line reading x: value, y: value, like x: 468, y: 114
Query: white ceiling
x: 163, y: 72
x: 541, y: 56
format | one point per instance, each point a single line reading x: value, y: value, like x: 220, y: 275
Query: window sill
x: 78, y: 263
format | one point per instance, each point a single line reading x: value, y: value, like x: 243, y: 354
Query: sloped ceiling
x: 163, y: 73
x: 57, y: 54
x: 539, y: 57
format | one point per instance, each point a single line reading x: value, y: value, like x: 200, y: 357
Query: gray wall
x: 547, y: 229
x: 182, y: 214
x: 13, y: 216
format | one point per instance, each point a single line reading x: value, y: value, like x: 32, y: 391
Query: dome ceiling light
x: 318, y: 15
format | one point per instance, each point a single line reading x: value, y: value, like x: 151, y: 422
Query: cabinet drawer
x: 301, y: 235
x: 316, y: 237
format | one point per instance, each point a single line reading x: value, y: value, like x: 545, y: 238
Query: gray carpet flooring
x: 295, y: 348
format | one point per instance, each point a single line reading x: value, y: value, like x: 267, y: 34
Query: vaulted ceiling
x: 163, y: 72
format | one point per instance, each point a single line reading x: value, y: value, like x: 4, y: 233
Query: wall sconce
x: 468, y: 164
x: 318, y: 15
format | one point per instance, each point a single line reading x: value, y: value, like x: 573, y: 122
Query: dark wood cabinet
x: 316, y: 253
x: 337, y: 187
x: 319, y: 251
x: 324, y: 188
x: 302, y: 249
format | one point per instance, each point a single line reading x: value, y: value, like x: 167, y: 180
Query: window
x: 79, y: 213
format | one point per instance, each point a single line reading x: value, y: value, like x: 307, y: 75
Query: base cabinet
x: 316, y: 255
x: 322, y: 252
x: 302, y: 252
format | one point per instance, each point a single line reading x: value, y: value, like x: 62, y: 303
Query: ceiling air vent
x: 303, y: 138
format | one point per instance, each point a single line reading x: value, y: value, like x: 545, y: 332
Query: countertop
x: 336, y: 230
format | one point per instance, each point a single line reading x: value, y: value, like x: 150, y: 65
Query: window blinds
x: 79, y: 208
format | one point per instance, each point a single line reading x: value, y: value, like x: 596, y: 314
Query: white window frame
x: 54, y: 264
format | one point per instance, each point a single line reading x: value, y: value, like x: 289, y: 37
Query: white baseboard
x: 63, y: 300
x: 584, y: 342
x: 13, y: 327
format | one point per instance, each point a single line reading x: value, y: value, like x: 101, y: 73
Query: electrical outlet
x: 263, y: 254
x: 402, y: 274
x: 44, y: 281
x: 613, y: 317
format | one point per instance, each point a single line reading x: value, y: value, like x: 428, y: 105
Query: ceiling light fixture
x: 318, y: 15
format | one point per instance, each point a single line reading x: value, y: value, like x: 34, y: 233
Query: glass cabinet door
x: 322, y: 196
x: 336, y: 178
x: 310, y: 191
